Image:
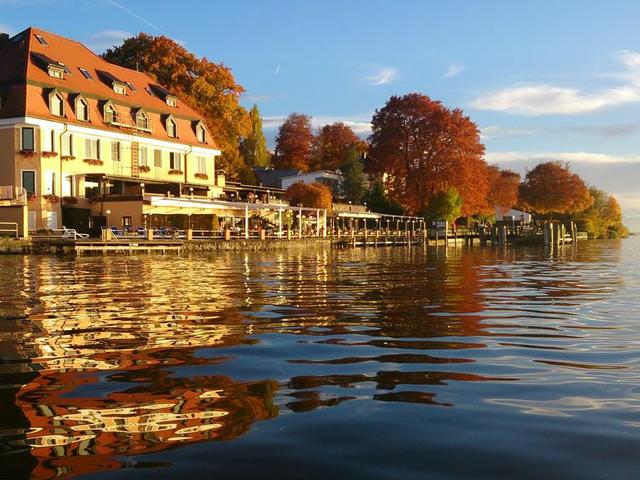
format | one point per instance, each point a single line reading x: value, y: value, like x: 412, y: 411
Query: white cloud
x: 104, y: 39
x: 573, y: 157
x: 454, y: 70
x: 541, y: 99
x: 360, y: 127
x: 495, y: 131
x: 381, y: 76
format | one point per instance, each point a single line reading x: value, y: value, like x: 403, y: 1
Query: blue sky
x: 543, y: 80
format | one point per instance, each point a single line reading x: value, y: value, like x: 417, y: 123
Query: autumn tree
x: 333, y: 144
x: 425, y: 148
x: 207, y: 87
x: 254, y: 146
x: 314, y: 195
x: 353, y: 177
x: 504, y: 186
x: 603, y: 219
x: 551, y: 188
x: 294, y: 143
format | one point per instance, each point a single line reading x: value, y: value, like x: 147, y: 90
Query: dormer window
x: 82, y: 109
x: 201, y: 133
x: 142, y: 121
x: 110, y: 113
x: 56, y: 72
x: 56, y: 103
x: 172, y: 101
x: 119, y: 88
x: 172, y: 128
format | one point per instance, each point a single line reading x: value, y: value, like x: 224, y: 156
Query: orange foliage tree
x: 504, y: 186
x: 314, y: 195
x: 333, y: 144
x: 551, y: 188
x: 205, y: 86
x: 294, y: 143
x: 425, y: 148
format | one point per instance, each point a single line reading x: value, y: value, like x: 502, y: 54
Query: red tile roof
x: 23, y: 61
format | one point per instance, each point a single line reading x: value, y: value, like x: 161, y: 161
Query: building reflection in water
x: 106, y: 358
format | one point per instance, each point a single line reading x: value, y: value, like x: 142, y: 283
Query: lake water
x: 390, y: 363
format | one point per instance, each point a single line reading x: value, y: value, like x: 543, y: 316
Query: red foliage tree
x: 425, y: 148
x: 294, y: 143
x: 504, y: 186
x: 315, y: 195
x: 551, y: 188
x: 333, y: 144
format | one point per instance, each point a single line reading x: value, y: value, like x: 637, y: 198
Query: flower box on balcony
x: 93, y: 161
x: 175, y: 172
x: 202, y: 176
x: 67, y: 158
x: 31, y: 196
x: 49, y: 154
x: 51, y: 198
x: 145, y: 168
x: 28, y: 153
x: 69, y: 200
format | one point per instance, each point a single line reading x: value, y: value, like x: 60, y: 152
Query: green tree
x: 377, y: 201
x: 444, y: 206
x: 353, y: 176
x: 254, y: 146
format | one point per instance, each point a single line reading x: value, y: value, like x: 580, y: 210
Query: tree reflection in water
x: 108, y: 358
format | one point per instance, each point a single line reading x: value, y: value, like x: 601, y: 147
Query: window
x: 201, y: 134
x: 86, y: 73
x: 143, y: 159
x: 55, y: 72
x: 67, y: 186
x: 131, y: 86
x: 49, y: 182
x: 29, y: 181
x: 92, y: 149
x: 48, y: 140
x: 82, y: 110
x: 142, y: 121
x: 28, y: 142
x: 157, y: 158
x: 172, y: 101
x: 175, y: 161
x: 201, y: 165
x: 56, y: 105
x: 172, y: 129
x: 116, y: 151
x: 126, y: 221
x: 67, y: 145
x: 110, y: 113
x: 119, y: 89
x: 41, y: 40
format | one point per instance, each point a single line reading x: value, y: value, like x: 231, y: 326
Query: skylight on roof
x: 131, y: 86
x: 41, y: 40
x: 86, y: 73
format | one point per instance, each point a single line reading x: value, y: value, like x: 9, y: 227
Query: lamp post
x: 189, y: 221
x: 107, y: 213
x: 191, y: 192
x: 142, y: 190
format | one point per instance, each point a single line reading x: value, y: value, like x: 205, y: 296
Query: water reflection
x: 107, y: 359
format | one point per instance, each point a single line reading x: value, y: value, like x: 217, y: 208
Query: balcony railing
x: 11, y: 195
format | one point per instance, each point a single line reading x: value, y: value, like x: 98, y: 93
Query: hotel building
x: 82, y: 139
